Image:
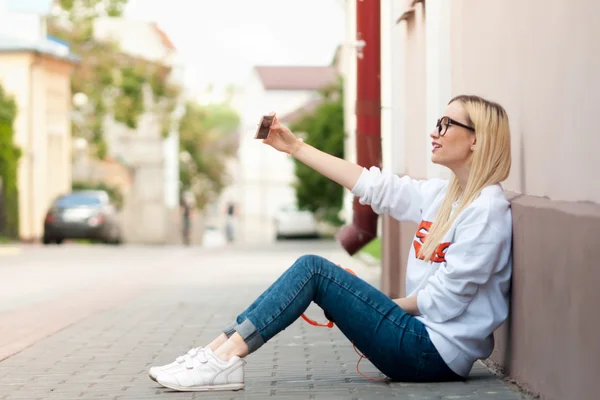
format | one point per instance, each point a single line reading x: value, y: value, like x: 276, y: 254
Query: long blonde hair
x: 489, y: 164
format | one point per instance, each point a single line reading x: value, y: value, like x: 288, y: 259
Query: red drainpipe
x: 368, y: 119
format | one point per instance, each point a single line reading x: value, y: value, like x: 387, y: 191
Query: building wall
x: 263, y: 177
x: 39, y: 148
x: 15, y: 77
x: 145, y: 216
x: 151, y: 211
x: 539, y: 60
x: 349, y: 68
x: 110, y: 172
x: 41, y: 87
x: 544, y: 71
x: 136, y: 38
x: 58, y: 111
x: 415, y: 92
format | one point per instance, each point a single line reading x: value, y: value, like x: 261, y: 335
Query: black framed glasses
x: 444, y: 122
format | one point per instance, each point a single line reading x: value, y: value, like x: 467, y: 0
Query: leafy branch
x: 113, y: 82
x: 9, y: 159
x: 324, y: 129
x: 207, y: 139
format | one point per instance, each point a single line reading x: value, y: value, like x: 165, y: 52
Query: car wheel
x: 46, y: 240
x: 59, y: 241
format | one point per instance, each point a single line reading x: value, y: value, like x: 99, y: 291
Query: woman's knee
x: 312, y: 263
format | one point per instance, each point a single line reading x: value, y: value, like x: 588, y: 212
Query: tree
x: 9, y: 158
x: 112, y: 81
x: 87, y: 9
x: 324, y: 129
x: 207, y: 137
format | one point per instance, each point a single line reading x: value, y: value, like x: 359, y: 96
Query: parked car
x: 87, y: 214
x: 292, y: 222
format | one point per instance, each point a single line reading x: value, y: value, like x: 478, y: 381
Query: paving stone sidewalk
x: 107, y: 356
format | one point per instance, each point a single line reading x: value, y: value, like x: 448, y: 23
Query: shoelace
x: 330, y: 325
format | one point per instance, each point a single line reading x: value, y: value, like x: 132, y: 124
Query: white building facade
x: 263, y: 177
x: 151, y: 214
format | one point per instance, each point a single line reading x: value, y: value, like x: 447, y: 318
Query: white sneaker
x: 204, y: 373
x: 153, y: 372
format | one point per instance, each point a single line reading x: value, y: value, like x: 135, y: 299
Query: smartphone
x: 264, y: 126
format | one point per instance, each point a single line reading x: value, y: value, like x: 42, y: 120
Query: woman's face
x: 452, y: 144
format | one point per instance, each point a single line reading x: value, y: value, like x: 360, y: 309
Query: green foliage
x: 159, y: 88
x: 114, y: 193
x: 9, y: 158
x: 115, y: 8
x: 85, y: 9
x: 130, y: 103
x: 66, y: 4
x: 207, y: 134
x: 113, y: 82
x: 373, y: 248
x: 323, y: 129
x: 101, y: 148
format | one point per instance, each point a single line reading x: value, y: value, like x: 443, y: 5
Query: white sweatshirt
x: 462, y: 293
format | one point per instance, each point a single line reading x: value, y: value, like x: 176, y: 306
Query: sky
x: 41, y: 7
x: 221, y: 40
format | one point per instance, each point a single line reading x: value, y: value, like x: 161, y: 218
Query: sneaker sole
x: 213, y: 388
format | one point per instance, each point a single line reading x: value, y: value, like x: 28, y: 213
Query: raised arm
x: 337, y: 169
x: 402, y: 198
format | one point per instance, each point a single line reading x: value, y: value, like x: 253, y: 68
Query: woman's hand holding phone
x: 281, y: 138
x: 337, y: 169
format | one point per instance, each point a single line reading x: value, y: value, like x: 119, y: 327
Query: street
x: 85, y: 322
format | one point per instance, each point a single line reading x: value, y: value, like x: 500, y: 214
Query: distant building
x: 540, y: 60
x: 263, y: 177
x: 151, y: 211
x: 36, y: 70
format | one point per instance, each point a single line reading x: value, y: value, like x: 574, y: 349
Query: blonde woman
x: 458, y: 273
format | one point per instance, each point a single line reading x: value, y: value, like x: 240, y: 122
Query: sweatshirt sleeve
x: 400, y: 197
x: 470, y: 261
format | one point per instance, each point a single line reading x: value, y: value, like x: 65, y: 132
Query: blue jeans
x: 394, y: 341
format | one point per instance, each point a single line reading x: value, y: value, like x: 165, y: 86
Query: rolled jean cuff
x: 230, y: 329
x: 251, y: 336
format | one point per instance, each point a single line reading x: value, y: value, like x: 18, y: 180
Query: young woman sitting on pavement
x: 458, y: 271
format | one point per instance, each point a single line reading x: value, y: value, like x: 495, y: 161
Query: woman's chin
x: 439, y: 161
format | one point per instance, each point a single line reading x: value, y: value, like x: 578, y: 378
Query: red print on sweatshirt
x: 440, y: 253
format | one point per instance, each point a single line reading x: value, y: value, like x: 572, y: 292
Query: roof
x: 298, y: 113
x: 47, y: 47
x: 126, y: 32
x: 164, y: 37
x: 296, y: 77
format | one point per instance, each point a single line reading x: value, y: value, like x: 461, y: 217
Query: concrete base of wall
x: 549, y: 344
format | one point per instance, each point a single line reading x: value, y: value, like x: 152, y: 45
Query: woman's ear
x: 473, y: 144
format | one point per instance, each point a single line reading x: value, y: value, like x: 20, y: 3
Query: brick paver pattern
x: 108, y: 354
